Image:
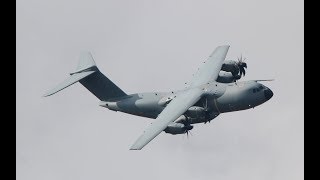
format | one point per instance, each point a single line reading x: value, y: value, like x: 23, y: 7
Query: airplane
x: 214, y: 89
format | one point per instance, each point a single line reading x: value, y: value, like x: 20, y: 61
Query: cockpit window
x: 254, y: 90
x: 260, y: 87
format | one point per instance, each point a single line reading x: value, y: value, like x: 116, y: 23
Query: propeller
x: 188, y: 130
x: 187, y: 127
x: 241, y: 64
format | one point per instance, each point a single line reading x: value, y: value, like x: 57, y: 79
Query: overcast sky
x: 148, y: 46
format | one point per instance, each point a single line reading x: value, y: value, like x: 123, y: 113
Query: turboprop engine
x: 178, y: 128
x: 183, y: 123
x: 232, y: 70
x: 226, y: 77
x: 196, y: 112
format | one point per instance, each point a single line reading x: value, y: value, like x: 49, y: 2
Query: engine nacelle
x: 177, y: 128
x: 230, y: 66
x: 237, y: 69
x: 196, y: 112
x: 227, y: 77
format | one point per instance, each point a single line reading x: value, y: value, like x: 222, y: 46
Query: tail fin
x: 91, y: 78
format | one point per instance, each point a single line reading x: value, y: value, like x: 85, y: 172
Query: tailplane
x: 91, y: 78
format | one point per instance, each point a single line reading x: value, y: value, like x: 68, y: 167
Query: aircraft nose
x: 268, y: 94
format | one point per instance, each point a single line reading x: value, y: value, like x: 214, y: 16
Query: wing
x: 179, y: 105
x: 211, y: 68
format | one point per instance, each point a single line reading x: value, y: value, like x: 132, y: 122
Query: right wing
x: 184, y: 100
x: 211, y: 68
x: 179, y: 105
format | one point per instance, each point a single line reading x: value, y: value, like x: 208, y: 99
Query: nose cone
x: 268, y: 94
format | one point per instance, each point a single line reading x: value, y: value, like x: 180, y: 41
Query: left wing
x: 179, y: 105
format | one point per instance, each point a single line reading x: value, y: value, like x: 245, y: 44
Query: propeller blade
x: 188, y: 132
x: 243, y: 71
x: 205, y: 105
x: 244, y: 65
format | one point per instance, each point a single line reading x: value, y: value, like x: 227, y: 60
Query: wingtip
x: 133, y: 147
x: 227, y: 46
x: 46, y: 95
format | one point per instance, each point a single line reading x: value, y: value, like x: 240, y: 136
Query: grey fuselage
x: 218, y: 98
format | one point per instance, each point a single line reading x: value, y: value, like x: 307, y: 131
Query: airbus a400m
x: 214, y: 89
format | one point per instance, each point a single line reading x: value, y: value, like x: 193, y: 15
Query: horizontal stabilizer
x: 88, y: 74
x: 71, y: 80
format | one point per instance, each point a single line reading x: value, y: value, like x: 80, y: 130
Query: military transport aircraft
x: 214, y: 89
